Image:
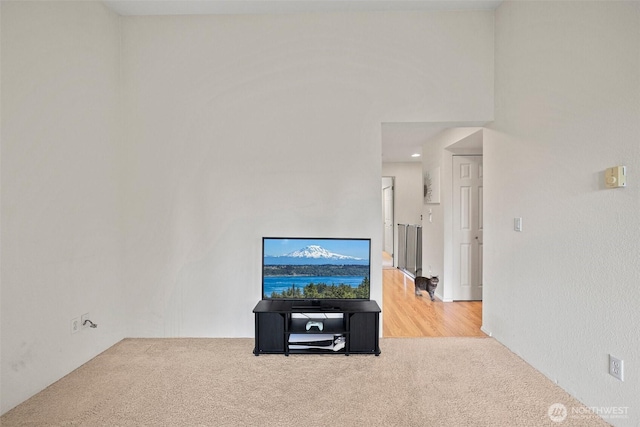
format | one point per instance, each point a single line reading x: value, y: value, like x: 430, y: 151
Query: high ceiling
x: 399, y: 140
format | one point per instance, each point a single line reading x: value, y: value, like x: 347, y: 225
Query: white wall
x: 407, y: 195
x: 61, y: 231
x: 245, y: 126
x: 564, y: 292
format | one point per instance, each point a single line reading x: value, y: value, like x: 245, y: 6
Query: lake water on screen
x: 282, y: 283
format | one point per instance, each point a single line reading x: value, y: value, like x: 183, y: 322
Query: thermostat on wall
x: 615, y: 177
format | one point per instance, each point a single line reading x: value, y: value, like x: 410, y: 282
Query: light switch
x: 517, y: 224
x: 615, y: 177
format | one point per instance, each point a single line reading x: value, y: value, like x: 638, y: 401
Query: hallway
x: 408, y: 315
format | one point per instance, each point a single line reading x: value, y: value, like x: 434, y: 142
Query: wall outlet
x: 75, y: 325
x: 84, y: 318
x: 616, y: 367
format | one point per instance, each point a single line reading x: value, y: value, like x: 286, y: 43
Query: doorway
x: 467, y: 227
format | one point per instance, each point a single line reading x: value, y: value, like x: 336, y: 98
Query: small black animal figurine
x: 428, y: 284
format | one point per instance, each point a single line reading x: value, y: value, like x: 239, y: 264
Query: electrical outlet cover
x: 616, y: 367
x: 75, y: 325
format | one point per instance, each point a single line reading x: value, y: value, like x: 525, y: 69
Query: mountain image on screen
x: 313, y: 254
x: 315, y: 272
x: 315, y: 251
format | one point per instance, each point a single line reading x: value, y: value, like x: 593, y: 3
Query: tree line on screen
x: 322, y: 290
x: 316, y: 270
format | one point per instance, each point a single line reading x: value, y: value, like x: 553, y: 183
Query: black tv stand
x: 276, y: 323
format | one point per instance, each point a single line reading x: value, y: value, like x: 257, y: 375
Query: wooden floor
x: 408, y: 315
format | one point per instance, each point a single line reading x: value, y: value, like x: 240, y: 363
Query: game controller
x: 318, y: 324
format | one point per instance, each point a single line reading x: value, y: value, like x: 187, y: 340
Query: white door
x: 467, y: 228
x: 387, y: 197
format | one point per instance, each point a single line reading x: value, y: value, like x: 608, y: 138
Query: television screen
x: 315, y: 268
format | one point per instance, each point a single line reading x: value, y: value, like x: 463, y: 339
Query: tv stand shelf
x: 330, y: 326
x: 275, y: 324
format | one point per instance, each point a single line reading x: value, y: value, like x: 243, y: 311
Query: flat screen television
x: 315, y: 270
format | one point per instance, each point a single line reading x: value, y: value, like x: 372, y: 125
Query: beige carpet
x: 219, y: 382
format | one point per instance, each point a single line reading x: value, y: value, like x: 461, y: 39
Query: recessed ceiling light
x: 415, y: 155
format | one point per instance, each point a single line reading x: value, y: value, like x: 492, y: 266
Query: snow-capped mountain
x: 313, y: 255
x: 318, y: 252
